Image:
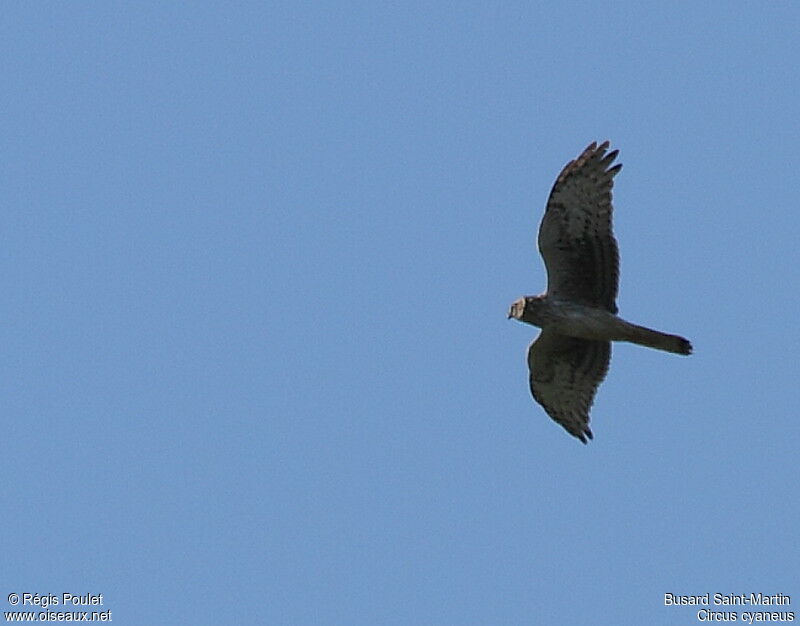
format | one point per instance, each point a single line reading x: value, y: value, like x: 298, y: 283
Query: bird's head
x: 517, y: 309
x: 531, y: 310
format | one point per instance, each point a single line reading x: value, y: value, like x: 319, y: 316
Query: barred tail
x: 658, y: 340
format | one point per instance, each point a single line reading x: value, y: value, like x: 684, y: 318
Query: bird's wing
x: 576, y: 238
x: 564, y: 375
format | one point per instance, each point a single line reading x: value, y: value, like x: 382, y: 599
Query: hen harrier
x: 577, y: 313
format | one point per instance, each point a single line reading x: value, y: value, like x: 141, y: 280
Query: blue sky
x: 257, y: 259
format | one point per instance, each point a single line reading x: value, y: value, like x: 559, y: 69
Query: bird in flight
x: 578, y: 312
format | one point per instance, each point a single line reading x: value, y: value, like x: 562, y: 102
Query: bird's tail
x: 658, y: 340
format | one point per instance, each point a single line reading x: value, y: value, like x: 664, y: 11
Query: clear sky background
x: 256, y: 264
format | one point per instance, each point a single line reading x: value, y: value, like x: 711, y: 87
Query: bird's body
x: 594, y: 323
x: 578, y: 312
